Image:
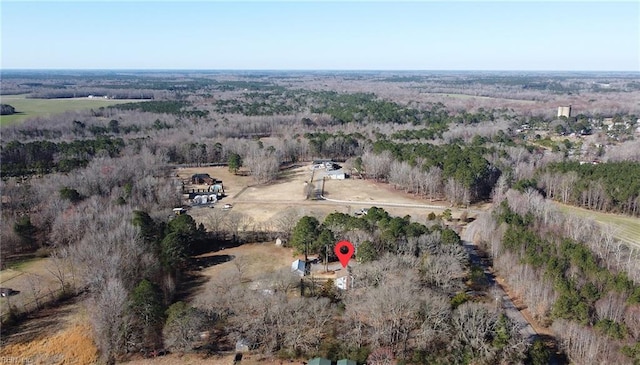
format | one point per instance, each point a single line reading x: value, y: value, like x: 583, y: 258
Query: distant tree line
x: 169, y: 107
x: 45, y: 157
x: 609, y: 187
x: 85, y: 92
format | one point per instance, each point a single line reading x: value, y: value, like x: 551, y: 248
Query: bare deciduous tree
x: 107, y: 309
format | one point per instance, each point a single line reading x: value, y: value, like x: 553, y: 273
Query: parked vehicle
x: 361, y: 212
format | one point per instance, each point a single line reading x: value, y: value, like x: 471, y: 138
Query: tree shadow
x: 193, y: 280
x: 556, y: 356
x: 190, y: 285
x: 201, y: 263
x: 33, y: 326
x: 289, y: 174
x: 212, y: 244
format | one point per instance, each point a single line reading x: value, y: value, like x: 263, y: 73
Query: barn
x: 202, y: 179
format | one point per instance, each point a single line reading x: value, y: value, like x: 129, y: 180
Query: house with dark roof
x: 202, y: 179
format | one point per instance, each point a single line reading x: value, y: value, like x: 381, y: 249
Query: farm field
x: 466, y: 97
x: 627, y: 228
x: 28, y: 108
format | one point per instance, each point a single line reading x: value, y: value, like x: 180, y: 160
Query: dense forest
x: 93, y: 191
x: 607, y: 187
x: 573, y: 275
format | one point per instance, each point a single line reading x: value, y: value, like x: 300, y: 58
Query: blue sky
x: 307, y: 35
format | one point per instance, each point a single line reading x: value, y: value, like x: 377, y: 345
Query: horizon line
x: 310, y: 70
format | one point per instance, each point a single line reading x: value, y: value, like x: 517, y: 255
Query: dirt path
x: 540, y: 330
x: 512, y: 304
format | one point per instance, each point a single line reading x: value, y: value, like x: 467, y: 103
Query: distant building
x: 564, y: 111
x: 216, y: 188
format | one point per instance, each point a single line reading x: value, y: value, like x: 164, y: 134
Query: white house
x: 336, y: 175
x: 341, y: 283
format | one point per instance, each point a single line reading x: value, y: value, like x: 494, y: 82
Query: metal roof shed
x: 346, y: 362
x: 301, y: 268
x: 319, y: 361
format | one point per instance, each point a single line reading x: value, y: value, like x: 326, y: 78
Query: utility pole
x: 326, y: 258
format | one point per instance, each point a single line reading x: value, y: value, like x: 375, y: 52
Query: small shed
x: 343, y: 283
x: 300, y: 267
x: 242, y: 345
x: 337, y: 175
x: 319, y: 361
x: 346, y: 362
x: 217, y: 188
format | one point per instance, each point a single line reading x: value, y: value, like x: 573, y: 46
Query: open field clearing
x: 35, y: 281
x: 28, y: 108
x: 627, y: 227
x: 263, y: 203
x: 251, y: 261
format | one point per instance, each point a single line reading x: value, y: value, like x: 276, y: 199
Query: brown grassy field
x: 60, y: 335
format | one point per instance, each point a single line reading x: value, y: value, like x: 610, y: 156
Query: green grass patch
x: 627, y: 227
x: 21, y: 262
x: 28, y: 108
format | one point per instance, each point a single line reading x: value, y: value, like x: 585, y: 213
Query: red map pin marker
x: 344, y: 251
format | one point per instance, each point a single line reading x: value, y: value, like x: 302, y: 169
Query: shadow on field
x: 289, y: 174
x: 192, y: 280
x: 201, y: 263
x: 48, y: 320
